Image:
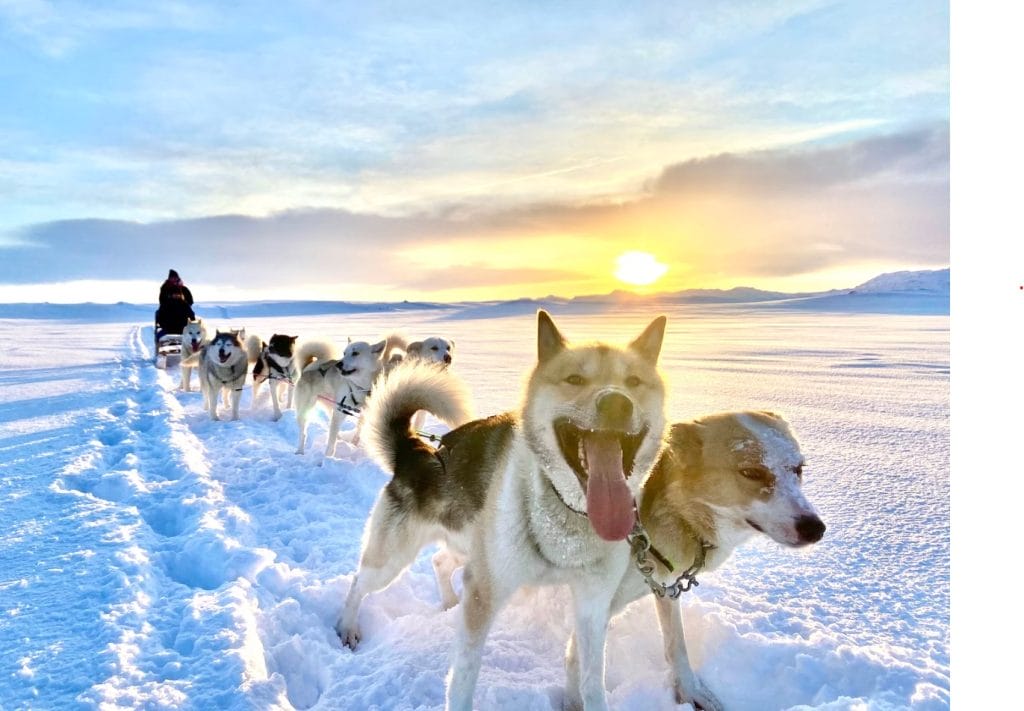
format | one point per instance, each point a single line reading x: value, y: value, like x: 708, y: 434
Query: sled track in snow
x: 176, y: 542
x: 232, y: 554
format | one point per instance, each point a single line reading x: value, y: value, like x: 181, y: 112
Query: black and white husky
x: 544, y: 495
x: 273, y: 363
x: 222, y: 369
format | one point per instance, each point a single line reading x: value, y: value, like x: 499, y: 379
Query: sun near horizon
x: 639, y: 268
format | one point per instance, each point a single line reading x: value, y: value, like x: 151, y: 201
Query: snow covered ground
x: 152, y: 558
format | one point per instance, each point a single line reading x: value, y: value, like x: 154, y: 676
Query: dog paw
x: 449, y: 604
x: 572, y: 702
x: 349, y: 637
x: 701, y: 698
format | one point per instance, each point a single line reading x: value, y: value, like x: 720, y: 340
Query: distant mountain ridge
x: 935, y: 281
x: 894, y: 292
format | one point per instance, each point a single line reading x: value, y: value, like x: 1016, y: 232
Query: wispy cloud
x: 904, y: 156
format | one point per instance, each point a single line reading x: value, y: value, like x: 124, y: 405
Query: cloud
x: 291, y: 245
x: 900, y: 156
x: 880, y: 199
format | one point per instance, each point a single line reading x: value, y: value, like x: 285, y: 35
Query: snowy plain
x: 151, y: 558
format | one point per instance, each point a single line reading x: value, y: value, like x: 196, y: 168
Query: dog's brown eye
x: 575, y: 379
x: 755, y: 473
x: 633, y: 381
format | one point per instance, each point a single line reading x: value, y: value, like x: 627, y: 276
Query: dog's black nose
x: 448, y: 358
x: 810, y: 528
x: 614, y: 411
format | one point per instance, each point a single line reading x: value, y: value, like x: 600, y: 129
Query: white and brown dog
x: 721, y: 480
x: 544, y: 495
x: 193, y: 338
x: 342, y: 385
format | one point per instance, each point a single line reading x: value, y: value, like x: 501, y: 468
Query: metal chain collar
x: 640, y: 545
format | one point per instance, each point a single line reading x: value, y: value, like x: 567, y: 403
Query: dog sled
x: 166, y: 345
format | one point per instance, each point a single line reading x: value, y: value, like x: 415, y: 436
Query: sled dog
x: 544, y: 495
x: 275, y: 365
x: 193, y: 338
x: 343, y: 385
x: 432, y: 350
x: 721, y: 479
x: 222, y: 368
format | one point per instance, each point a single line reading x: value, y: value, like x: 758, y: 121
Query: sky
x: 467, y: 151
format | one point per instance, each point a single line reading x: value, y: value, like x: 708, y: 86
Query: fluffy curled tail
x: 253, y: 347
x: 395, y: 348
x: 310, y: 351
x: 411, y: 386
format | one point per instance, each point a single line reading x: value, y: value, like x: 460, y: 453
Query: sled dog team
x: 585, y: 485
x: 309, y: 373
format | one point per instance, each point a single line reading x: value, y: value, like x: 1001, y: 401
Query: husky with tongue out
x: 544, y: 495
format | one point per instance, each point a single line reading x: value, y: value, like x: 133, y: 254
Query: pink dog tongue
x: 609, y: 500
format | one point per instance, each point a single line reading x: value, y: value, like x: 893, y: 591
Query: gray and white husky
x: 544, y: 495
x: 222, y: 369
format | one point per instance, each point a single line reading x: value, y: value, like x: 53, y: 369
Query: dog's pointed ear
x: 549, y: 341
x: 648, y: 343
x: 378, y: 348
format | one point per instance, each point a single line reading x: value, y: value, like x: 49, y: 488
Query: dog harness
x: 343, y: 406
x: 230, y: 380
x: 277, y: 371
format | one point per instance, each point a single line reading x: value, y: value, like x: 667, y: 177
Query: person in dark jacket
x: 175, y: 305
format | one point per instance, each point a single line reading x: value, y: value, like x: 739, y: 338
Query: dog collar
x: 564, y: 503
x: 640, y: 545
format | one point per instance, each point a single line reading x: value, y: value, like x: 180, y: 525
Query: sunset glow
x: 639, y: 268
x: 355, y: 161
